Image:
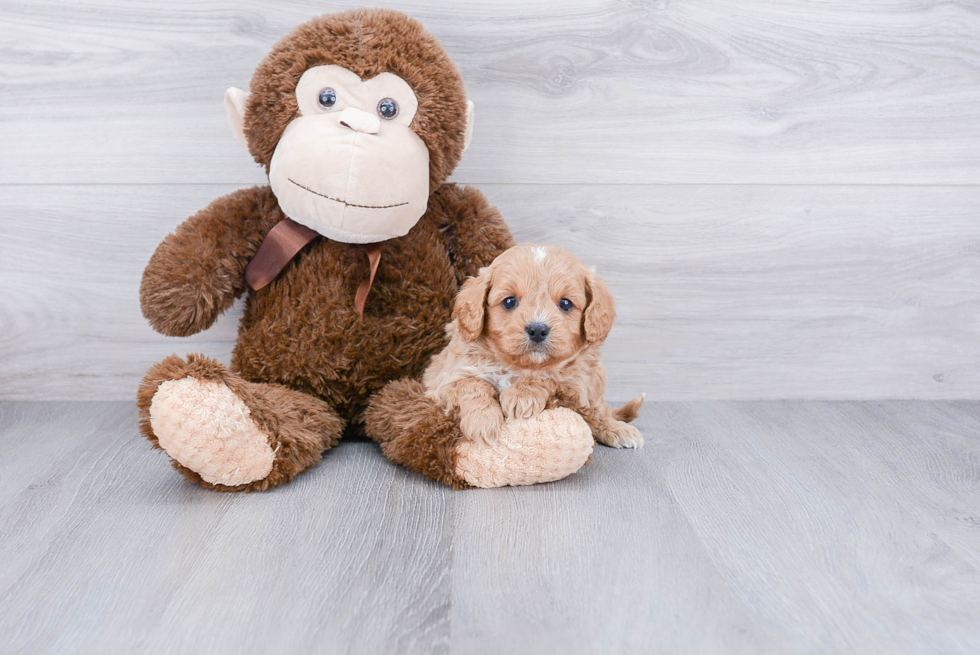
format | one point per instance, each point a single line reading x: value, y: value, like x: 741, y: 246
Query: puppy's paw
x: 481, y: 424
x: 620, y: 435
x: 522, y: 402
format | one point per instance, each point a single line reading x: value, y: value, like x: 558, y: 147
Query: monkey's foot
x: 547, y: 447
x: 205, y: 427
x: 415, y: 432
x: 229, y: 434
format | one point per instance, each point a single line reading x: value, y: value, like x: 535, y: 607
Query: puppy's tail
x: 630, y: 410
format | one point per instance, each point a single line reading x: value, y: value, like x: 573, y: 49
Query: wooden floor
x: 759, y: 527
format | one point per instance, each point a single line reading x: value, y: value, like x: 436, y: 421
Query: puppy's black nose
x: 537, y: 332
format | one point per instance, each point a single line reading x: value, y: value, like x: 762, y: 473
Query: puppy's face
x: 535, y: 306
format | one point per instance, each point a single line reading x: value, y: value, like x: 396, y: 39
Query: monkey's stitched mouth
x: 344, y: 202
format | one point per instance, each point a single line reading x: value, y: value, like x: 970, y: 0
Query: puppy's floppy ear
x: 470, y: 303
x: 600, y: 311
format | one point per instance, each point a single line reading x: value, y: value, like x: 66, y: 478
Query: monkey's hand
x: 526, y: 398
x: 198, y: 271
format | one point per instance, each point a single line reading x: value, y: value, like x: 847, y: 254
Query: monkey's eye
x: 387, y: 108
x: 509, y: 303
x: 327, y: 98
x: 565, y: 305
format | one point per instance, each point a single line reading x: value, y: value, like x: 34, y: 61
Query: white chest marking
x: 500, y: 378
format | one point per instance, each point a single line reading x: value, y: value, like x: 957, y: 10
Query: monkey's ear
x: 468, y: 133
x: 600, y: 312
x: 469, y: 307
x: 235, y: 108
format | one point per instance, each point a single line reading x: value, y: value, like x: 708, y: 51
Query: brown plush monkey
x: 350, y: 260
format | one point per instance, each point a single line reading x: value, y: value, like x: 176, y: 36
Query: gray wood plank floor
x: 756, y: 527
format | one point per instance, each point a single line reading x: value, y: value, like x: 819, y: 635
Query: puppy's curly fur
x: 525, y: 337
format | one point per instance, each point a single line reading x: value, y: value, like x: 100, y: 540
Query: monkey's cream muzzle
x: 335, y: 175
x: 345, y: 167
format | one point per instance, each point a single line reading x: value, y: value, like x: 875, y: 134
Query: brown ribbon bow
x: 280, y: 246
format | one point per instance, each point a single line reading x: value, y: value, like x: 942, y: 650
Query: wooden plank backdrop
x: 784, y: 196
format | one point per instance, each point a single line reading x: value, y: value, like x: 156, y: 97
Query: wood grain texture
x: 741, y: 527
x: 613, y: 128
x: 602, y: 562
x: 105, y: 550
x: 723, y: 291
x: 584, y: 91
x: 800, y: 503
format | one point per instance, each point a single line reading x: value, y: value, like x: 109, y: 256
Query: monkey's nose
x: 360, y: 121
x: 537, y: 332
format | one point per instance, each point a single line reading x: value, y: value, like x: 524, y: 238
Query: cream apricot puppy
x: 525, y: 336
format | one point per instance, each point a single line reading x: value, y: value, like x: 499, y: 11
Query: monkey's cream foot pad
x: 547, y: 447
x: 207, y: 428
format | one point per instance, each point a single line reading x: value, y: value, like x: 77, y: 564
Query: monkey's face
x: 350, y: 166
x: 355, y: 116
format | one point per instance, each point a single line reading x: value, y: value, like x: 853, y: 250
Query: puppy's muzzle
x: 537, y: 332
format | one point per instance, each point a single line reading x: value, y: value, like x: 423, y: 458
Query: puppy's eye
x: 509, y: 303
x: 565, y: 305
x: 327, y: 98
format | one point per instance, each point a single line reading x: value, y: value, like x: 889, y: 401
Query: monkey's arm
x: 474, y: 231
x: 198, y: 271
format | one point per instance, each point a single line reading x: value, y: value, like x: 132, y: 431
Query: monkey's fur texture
x: 306, y: 369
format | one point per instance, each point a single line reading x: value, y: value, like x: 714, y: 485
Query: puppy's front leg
x: 527, y: 397
x: 606, y: 428
x: 480, y: 416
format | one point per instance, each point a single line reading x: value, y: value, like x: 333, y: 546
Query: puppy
x: 525, y: 336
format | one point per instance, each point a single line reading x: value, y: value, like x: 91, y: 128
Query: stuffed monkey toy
x: 349, y: 259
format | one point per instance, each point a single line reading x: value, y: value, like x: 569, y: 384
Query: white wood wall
x: 785, y: 196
